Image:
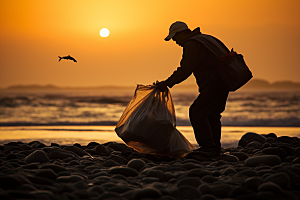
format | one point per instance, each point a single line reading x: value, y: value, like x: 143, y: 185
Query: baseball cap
x: 175, y: 28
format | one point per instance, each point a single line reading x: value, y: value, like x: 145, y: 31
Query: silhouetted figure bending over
x: 67, y: 58
x: 205, y: 112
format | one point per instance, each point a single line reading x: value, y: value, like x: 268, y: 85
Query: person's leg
x: 200, y: 112
x: 215, y: 121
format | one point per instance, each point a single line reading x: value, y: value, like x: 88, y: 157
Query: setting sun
x: 104, y: 32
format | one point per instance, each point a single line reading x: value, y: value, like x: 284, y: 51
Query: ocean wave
x: 226, y: 121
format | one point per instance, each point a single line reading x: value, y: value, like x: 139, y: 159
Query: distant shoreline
x: 254, y: 84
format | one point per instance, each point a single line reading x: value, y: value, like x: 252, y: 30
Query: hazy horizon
x: 256, y: 84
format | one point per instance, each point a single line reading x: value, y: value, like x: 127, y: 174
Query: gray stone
x: 47, y: 173
x: 126, y: 171
x: 208, y: 197
x: 190, y: 181
x: 198, y: 173
x: 269, y: 186
x: 220, y: 190
x: 110, y: 163
x: 60, y: 154
x: 204, y: 188
x: 254, y: 144
x: 101, y: 149
x: 209, y: 179
x: 148, y: 192
x: 250, y: 136
x: 37, y: 156
x: 156, y: 173
x: 228, y: 158
x: 67, y: 179
x: 136, y: 164
x: 265, y: 159
x: 275, y: 151
x: 188, y: 192
x: 253, y: 183
x: 281, y: 179
x: 240, y: 155
x: 97, y: 188
x: 77, y: 150
x: 229, y: 170
x: 54, y: 167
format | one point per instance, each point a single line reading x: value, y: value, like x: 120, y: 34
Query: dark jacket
x: 196, y: 59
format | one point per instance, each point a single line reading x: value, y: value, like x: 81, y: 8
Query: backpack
x: 233, y: 70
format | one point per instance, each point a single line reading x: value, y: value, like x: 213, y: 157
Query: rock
x: 119, y: 147
x: 82, y: 194
x: 148, y: 192
x: 275, y: 151
x: 204, y: 188
x: 240, y: 155
x: 12, y: 156
x: 92, y: 145
x: 97, y: 188
x: 265, y: 159
x: 120, y: 189
x: 76, y: 150
x: 242, y: 142
x: 250, y: 136
x: 37, y: 156
x: 254, y: 144
x: 208, y: 197
x: 228, y: 171
x: 188, y: 192
x: 67, y: 179
x: 157, y: 174
x: 55, y: 168
x: 126, y: 171
x: 220, y: 190
x: 227, y: 157
x: 150, y: 179
x: 30, y: 166
x: 253, y: 183
x: 36, y: 144
x: 248, y: 172
x: 271, y: 135
x: 47, y: 173
x: 281, y: 179
x: 197, y: 173
x: 190, y: 181
x: 136, y: 164
x: 118, y: 159
x: 101, y: 149
x: 269, y: 186
x: 110, y: 163
x: 209, y: 179
x: 12, y: 181
x: 60, y: 154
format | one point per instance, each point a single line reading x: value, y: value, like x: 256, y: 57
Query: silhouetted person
x: 205, y: 112
x: 67, y: 58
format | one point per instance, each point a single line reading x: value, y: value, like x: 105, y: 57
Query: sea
x: 68, y: 117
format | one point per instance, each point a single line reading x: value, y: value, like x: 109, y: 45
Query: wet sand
x: 260, y: 167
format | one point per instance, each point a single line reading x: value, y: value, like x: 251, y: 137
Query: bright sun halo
x: 104, y: 32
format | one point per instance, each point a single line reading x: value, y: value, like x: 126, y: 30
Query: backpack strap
x: 216, y: 47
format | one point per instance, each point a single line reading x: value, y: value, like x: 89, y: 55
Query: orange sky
x: 33, y: 33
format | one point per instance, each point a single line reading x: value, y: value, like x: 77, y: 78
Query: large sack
x: 148, y: 124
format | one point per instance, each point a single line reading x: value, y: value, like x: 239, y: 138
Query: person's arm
x: 193, y: 53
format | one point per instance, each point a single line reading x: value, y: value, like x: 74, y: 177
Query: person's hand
x: 162, y: 86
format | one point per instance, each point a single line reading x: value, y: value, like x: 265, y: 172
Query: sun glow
x: 104, y: 32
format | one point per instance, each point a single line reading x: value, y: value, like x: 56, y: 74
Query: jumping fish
x: 67, y: 58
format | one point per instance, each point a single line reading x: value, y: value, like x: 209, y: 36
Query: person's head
x: 179, y: 32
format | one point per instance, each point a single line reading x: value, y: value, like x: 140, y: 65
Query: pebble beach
x: 261, y: 167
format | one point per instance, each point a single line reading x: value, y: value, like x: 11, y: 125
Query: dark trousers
x: 205, y: 115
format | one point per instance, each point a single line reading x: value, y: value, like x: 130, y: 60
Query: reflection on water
x: 84, y: 134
